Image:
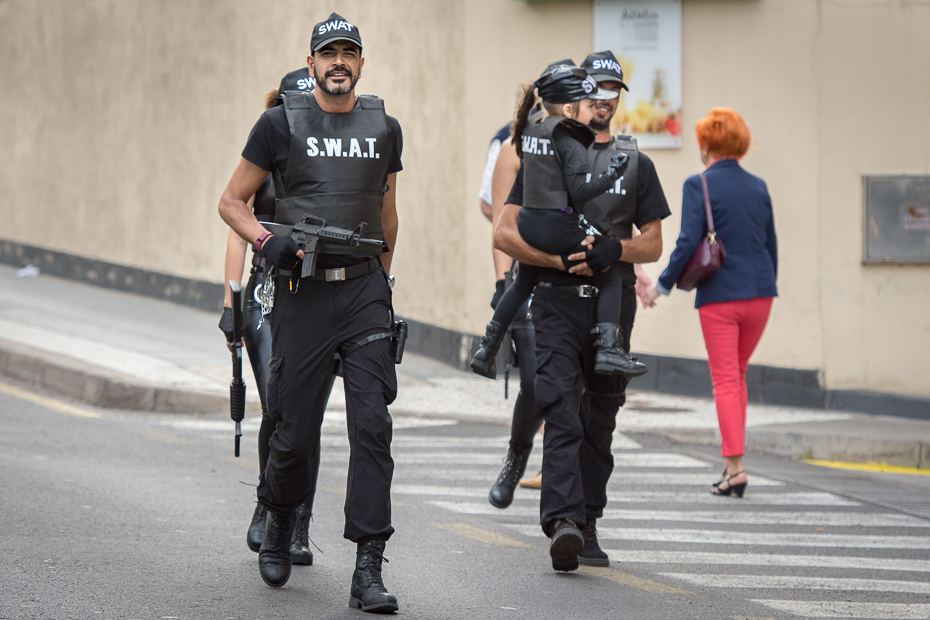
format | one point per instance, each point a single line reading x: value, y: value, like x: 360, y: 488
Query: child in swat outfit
x: 556, y: 184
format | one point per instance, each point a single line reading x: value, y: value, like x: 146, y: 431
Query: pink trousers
x: 732, y: 329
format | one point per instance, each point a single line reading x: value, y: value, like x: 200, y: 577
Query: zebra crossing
x: 796, y: 552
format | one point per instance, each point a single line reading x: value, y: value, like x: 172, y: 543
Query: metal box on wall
x: 897, y: 219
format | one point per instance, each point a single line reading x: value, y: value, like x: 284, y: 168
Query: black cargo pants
x: 579, y: 406
x: 308, y: 328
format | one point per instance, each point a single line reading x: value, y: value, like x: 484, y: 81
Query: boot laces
x: 510, y: 469
x: 589, y: 532
x: 276, y: 532
x: 372, y: 567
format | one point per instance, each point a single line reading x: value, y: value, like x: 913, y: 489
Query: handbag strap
x: 710, y: 218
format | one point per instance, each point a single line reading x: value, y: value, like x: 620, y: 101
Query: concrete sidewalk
x: 118, y: 350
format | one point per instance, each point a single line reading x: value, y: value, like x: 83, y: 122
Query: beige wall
x: 123, y: 119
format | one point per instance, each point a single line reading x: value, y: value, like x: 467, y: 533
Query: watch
x: 261, y: 238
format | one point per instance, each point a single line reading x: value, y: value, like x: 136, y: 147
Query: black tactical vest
x: 615, y: 210
x: 543, y: 180
x: 337, y: 165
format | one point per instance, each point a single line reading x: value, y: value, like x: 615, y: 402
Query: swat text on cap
x: 335, y: 28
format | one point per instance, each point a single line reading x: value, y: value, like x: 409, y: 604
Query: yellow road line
x: 46, y: 402
x: 883, y: 468
x: 484, y: 536
x: 629, y: 580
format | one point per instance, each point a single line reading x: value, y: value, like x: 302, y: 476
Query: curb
x: 100, y: 387
x: 815, y: 446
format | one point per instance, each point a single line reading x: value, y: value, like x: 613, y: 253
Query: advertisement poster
x: 645, y: 36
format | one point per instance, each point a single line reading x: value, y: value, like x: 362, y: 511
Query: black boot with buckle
x: 485, y: 361
x: 368, y: 591
x: 592, y: 555
x: 501, y: 494
x: 611, y: 358
x: 257, y: 528
x: 274, y: 558
x: 300, y: 540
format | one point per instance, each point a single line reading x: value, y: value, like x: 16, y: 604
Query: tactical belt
x: 339, y: 274
x: 566, y: 290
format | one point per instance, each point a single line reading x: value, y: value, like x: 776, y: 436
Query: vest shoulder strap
x: 370, y: 102
x: 296, y: 100
x: 626, y: 143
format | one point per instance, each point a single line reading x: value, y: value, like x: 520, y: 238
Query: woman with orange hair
x: 734, y: 305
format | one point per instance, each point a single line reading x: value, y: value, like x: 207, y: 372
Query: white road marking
x: 723, y: 537
x: 830, y: 609
x: 645, y: 460
x: 803, y: 498
x: 763, y: 559
x: 821, y: 519
x: 441, y: 491
x: 813, y: 498
x: 774, y: 582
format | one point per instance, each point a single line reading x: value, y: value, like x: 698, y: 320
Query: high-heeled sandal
x: 739, y: 489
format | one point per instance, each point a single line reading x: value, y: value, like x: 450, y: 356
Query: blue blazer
x: 742, y: 211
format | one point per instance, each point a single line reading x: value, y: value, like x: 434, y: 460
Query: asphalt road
x: 127, y: 515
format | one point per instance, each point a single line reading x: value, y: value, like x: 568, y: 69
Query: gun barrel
x: 237, y: 386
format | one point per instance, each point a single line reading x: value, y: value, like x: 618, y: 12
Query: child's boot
x: 610, y: 357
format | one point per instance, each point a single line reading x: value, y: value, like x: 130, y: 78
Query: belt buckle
x: 336, y: 275
x: 587, y: 290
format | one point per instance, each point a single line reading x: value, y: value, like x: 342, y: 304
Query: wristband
x: 261, y: 238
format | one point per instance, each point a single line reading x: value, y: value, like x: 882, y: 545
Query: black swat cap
x: 565, y: 84
x: 603, y: 66
x: 558, y: 63
x: 335, y: 28
x: 297, y: 80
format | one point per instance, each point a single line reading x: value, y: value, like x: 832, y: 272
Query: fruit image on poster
x: 645, y: 36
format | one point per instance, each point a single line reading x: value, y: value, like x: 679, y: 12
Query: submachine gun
x: 237, y: 387
x: 312, y: 235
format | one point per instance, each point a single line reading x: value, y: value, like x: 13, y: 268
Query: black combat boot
x: 501, y: 494
x: 566, y: 545
x: 300, y: 540
x: 485, y: 361
x: 611, y: 358
x: 274, y: 558
x: 257, y: 528
x: 592, y: 554
x: 368, y: 591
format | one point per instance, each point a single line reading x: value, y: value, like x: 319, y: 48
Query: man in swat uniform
x: 336, y: 156
x: 637, y: 200
x: 588, y: 404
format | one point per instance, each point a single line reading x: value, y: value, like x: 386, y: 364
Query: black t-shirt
x: 269, y: 142
x: 651, y: 205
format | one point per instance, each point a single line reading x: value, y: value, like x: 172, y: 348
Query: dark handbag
x: 708, y: 256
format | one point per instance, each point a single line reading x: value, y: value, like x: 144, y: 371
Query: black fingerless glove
x: 281, y: 251
x: 226, y: 324
x: 605, y: 253
x: 568, y: 264
x: 498, y: 293
x: 617, y: 166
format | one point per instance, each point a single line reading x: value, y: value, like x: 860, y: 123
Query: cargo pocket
x: 547, y: 393
x: 273, y: 386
